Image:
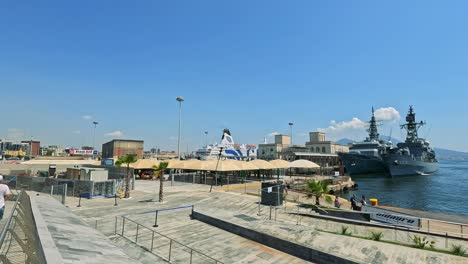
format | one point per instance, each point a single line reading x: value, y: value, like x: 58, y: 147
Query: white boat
x: 228, y: 148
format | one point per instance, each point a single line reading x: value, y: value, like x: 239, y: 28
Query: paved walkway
x: 76, y: 241
x: 228, y: 206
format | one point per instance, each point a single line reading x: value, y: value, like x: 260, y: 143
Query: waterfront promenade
x: 248, y: 233
x: 243, y: 209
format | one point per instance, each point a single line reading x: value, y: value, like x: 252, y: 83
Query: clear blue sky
x: 250, y: 66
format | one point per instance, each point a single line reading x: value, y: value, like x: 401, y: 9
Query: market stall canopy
x: 185, y: 164
x: 262, y: 164
x: 303, y: 164
x: 280, y: 164
x: 246, y: 166
x: 143, y: 164
x: 222, y: 165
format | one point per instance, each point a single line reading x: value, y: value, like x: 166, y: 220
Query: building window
x: 324, y: 150
x: 271, y: 150
x: 317, y: 149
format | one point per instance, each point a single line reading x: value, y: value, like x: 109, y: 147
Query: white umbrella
x: 303, y: 164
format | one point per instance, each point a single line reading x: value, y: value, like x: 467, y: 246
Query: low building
x: 121, y: 147
x: 274, y: 151
x: 319, y: 144
x: 33, y: 146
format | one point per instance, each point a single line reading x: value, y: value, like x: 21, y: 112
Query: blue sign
x: 107, y: 162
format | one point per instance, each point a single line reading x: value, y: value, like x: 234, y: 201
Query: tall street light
x: 179, y: 99
x: 290, y: 135
x: 94, y: 135
x: 206, y: 138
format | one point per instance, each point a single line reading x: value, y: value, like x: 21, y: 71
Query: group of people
x: 354, y: 203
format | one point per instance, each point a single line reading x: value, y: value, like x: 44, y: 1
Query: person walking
x: 354, y: 203
x: 337, y: 202
x: 4, y: 194
x: 363, y: 201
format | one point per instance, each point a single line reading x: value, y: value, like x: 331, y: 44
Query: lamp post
x: 206, y: 138
x: 290, y: 135
x: 94, y: 136
x: 179, y: 99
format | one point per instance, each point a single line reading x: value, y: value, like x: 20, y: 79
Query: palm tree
x: 127, y: 159
x: 160, y: 171
x: 316, y: 188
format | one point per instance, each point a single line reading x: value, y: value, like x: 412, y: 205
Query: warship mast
x: 373, y: 133
x: 412, y: 126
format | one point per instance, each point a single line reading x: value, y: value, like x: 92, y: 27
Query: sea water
x: 445, y: 191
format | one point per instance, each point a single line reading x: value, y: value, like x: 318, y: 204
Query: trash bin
x: 374, y: 201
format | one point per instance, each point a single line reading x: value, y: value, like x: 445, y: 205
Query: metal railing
x: 159, y: 244
x: 59, y: 192
x: 19, y: 239
x: 156, y: 243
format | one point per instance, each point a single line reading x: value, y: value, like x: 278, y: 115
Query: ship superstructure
x: 368, y: 156
x: 414, y: 156
x: 228, y: 148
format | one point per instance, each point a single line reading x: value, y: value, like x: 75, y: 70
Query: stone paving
x: 73, y: 238
x: 226, y: 246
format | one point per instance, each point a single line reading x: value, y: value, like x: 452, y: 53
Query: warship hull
x: 407, y: 166
x: 358, y: 164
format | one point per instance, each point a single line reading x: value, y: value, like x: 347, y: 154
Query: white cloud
x: 116, y: 134
x: 87, y: 117
x: 387, y: 114
x: 355, y: 128
x: 337, y: 130
x: 272, y: 134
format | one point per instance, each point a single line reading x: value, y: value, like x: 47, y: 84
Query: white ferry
x: 230, y: 150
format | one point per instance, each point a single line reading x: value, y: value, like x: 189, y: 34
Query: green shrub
x: 422, y: 242
x: 376, y: 236
x: 458, y: 250
x: 344, y: 231
x: 328, y: 199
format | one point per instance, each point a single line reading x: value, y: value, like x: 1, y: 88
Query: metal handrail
x: 10, y: 218
x: 170, y: 239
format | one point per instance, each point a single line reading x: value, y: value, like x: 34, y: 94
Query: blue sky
x: 250, y: 66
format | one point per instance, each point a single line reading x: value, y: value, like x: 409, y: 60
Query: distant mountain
x: 446, y: 154
x: 344, y: 141
x: 442, y: 154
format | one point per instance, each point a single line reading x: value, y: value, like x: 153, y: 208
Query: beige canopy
x: 213, y: 165
x: 246, y: 165
x: 262, y: 164
x: 144, y: 164
x: 303, y: 164
x: 280, y: 164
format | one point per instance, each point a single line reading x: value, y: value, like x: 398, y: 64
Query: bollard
x: 152, y: 242
x: 446, y: 240
x: 270, y: 212
x: 115, y: 227
x: 115, y: 199
x: 79, y: 201
x: 156, y: 219
x: 136, y: 236
x: 170, y: 250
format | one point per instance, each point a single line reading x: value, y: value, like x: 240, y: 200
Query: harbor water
x: 446, y: 191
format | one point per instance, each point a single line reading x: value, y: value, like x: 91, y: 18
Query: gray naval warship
x: 368, y: 156
x: 414, y: 156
